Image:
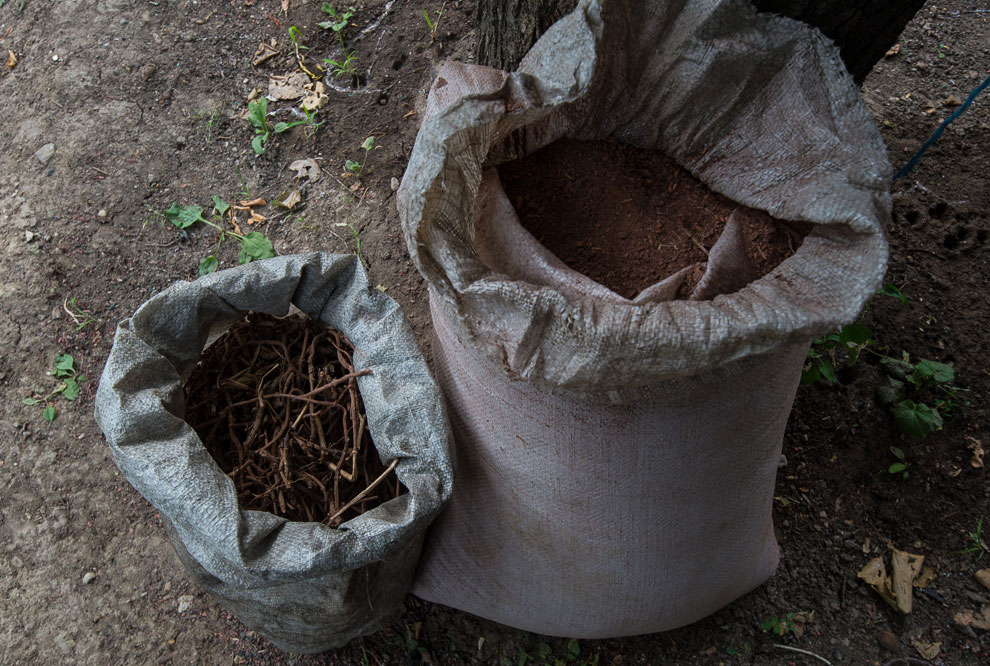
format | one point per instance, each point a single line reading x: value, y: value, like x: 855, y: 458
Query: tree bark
x: 863, y: 29
x: 507, y: 29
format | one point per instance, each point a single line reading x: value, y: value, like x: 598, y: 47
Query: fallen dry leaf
x: 289, y: 87
x: 256, y: 218
x: 253, y: 202
x: 237, y: 227
x: 906, y: 568
x: 307, y: 168
x: 11, y: 59
x: 976, y: 446
x: 800, y: 619
x: 265, y: 52
x: 926, y: 577
x: 927, y: 650
x: 970, y: 619
x: 285, y: 6
x: 952, y: 100
x: 983, y: 575
x: 895, y: 589
x: 316, y: 98
x: 892, y: 51
x: 290, y: 200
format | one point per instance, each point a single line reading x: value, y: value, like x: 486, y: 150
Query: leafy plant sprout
x: 338, y: 20
x: 779, y: 626
x: 901, y: 466
x: 258, y: 117
x: 344, y: 67
x: 295, y: 36
x: 355, y: 168
x: 65, y: 371
x: 254, y: 245
x: 311, y: 125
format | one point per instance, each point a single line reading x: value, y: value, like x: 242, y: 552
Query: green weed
x: 310, y: 124
x: 355, y: 168
x: 977, y: 544
x: 338, y: 20
x: 901, y: 465
x: 68, y: 388
x: 81, y: 317
x: 344, y: 67
x: 258, y: 117
x: 254, y: 245
x: 779, y: 626
x: 431, y: 24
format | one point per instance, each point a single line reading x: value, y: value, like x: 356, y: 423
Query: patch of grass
x: 69, y: 379
x: 976, y: 543
x: 345, y: 67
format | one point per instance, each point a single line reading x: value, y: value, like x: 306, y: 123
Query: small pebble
x: 88, y: 577
x: 394, y: 183
x: 29, y: 236
x: 102, y: 213
x: 185, y: 602
x: 888, y: 641
x: 45, y: 153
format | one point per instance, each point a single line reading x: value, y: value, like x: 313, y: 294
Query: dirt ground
x: 143, y: 104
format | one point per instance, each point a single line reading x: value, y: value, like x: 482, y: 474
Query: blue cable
x: 913, y: 162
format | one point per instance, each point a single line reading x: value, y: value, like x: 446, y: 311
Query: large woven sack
x: 305, y: 586
x: 616, y: 458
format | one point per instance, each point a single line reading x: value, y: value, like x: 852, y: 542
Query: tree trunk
x: 864, y: 30
x: 508, y: 28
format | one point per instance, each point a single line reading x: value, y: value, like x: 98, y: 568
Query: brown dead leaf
x: 254, y: 202
x: 983, y: 575
x: 288, y: 87
x: 906, y: 568
x: 237, y: 227
x: 976, y: 446
x: 979, y: 620
x: 800, y: 619
x: 285, y: 7
x: 316, y: 97
x: 866, y: 545
x: 256, y: 218
x: 926, y: 577
x: 892, y: 51
x: 290, y: 200
x: 952, y: 100
x: 307, y: 168
x: 927, y: 650
x: 265, y: 52
x: 875, y: 575
x: 11, y: 59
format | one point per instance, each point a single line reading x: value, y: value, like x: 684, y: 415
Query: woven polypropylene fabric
x: 617, y: 457
x: 305, y: 586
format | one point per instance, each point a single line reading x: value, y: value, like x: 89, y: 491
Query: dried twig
x: 805, y: 652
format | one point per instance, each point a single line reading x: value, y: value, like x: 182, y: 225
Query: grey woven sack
x: 616, y: 457
x: 305, y: 586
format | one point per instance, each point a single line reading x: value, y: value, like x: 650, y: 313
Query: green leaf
x: 897, y: 369
x: 255, y: 246
x: 369, y: 143
x: 352, y: 166
x: 894, y: 292
x: 828, y: 372
x: 810, y: 376
x: 897, y: 468
x: 916, y: 419
x: 257, y: 114
x: 209, y: 265
x: 573, y: 650
x: 63, y: 366
x: 888, y: 395
x: 543, y: 650
x: 30, y: 401
x: 49, y: 414
x: 939, y: 372
x: 854, y: 334
x: 258, y: 143
x: 898, y: 453
x: 71, y: 390
x: 219, y: 205
x: 184, y: 216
